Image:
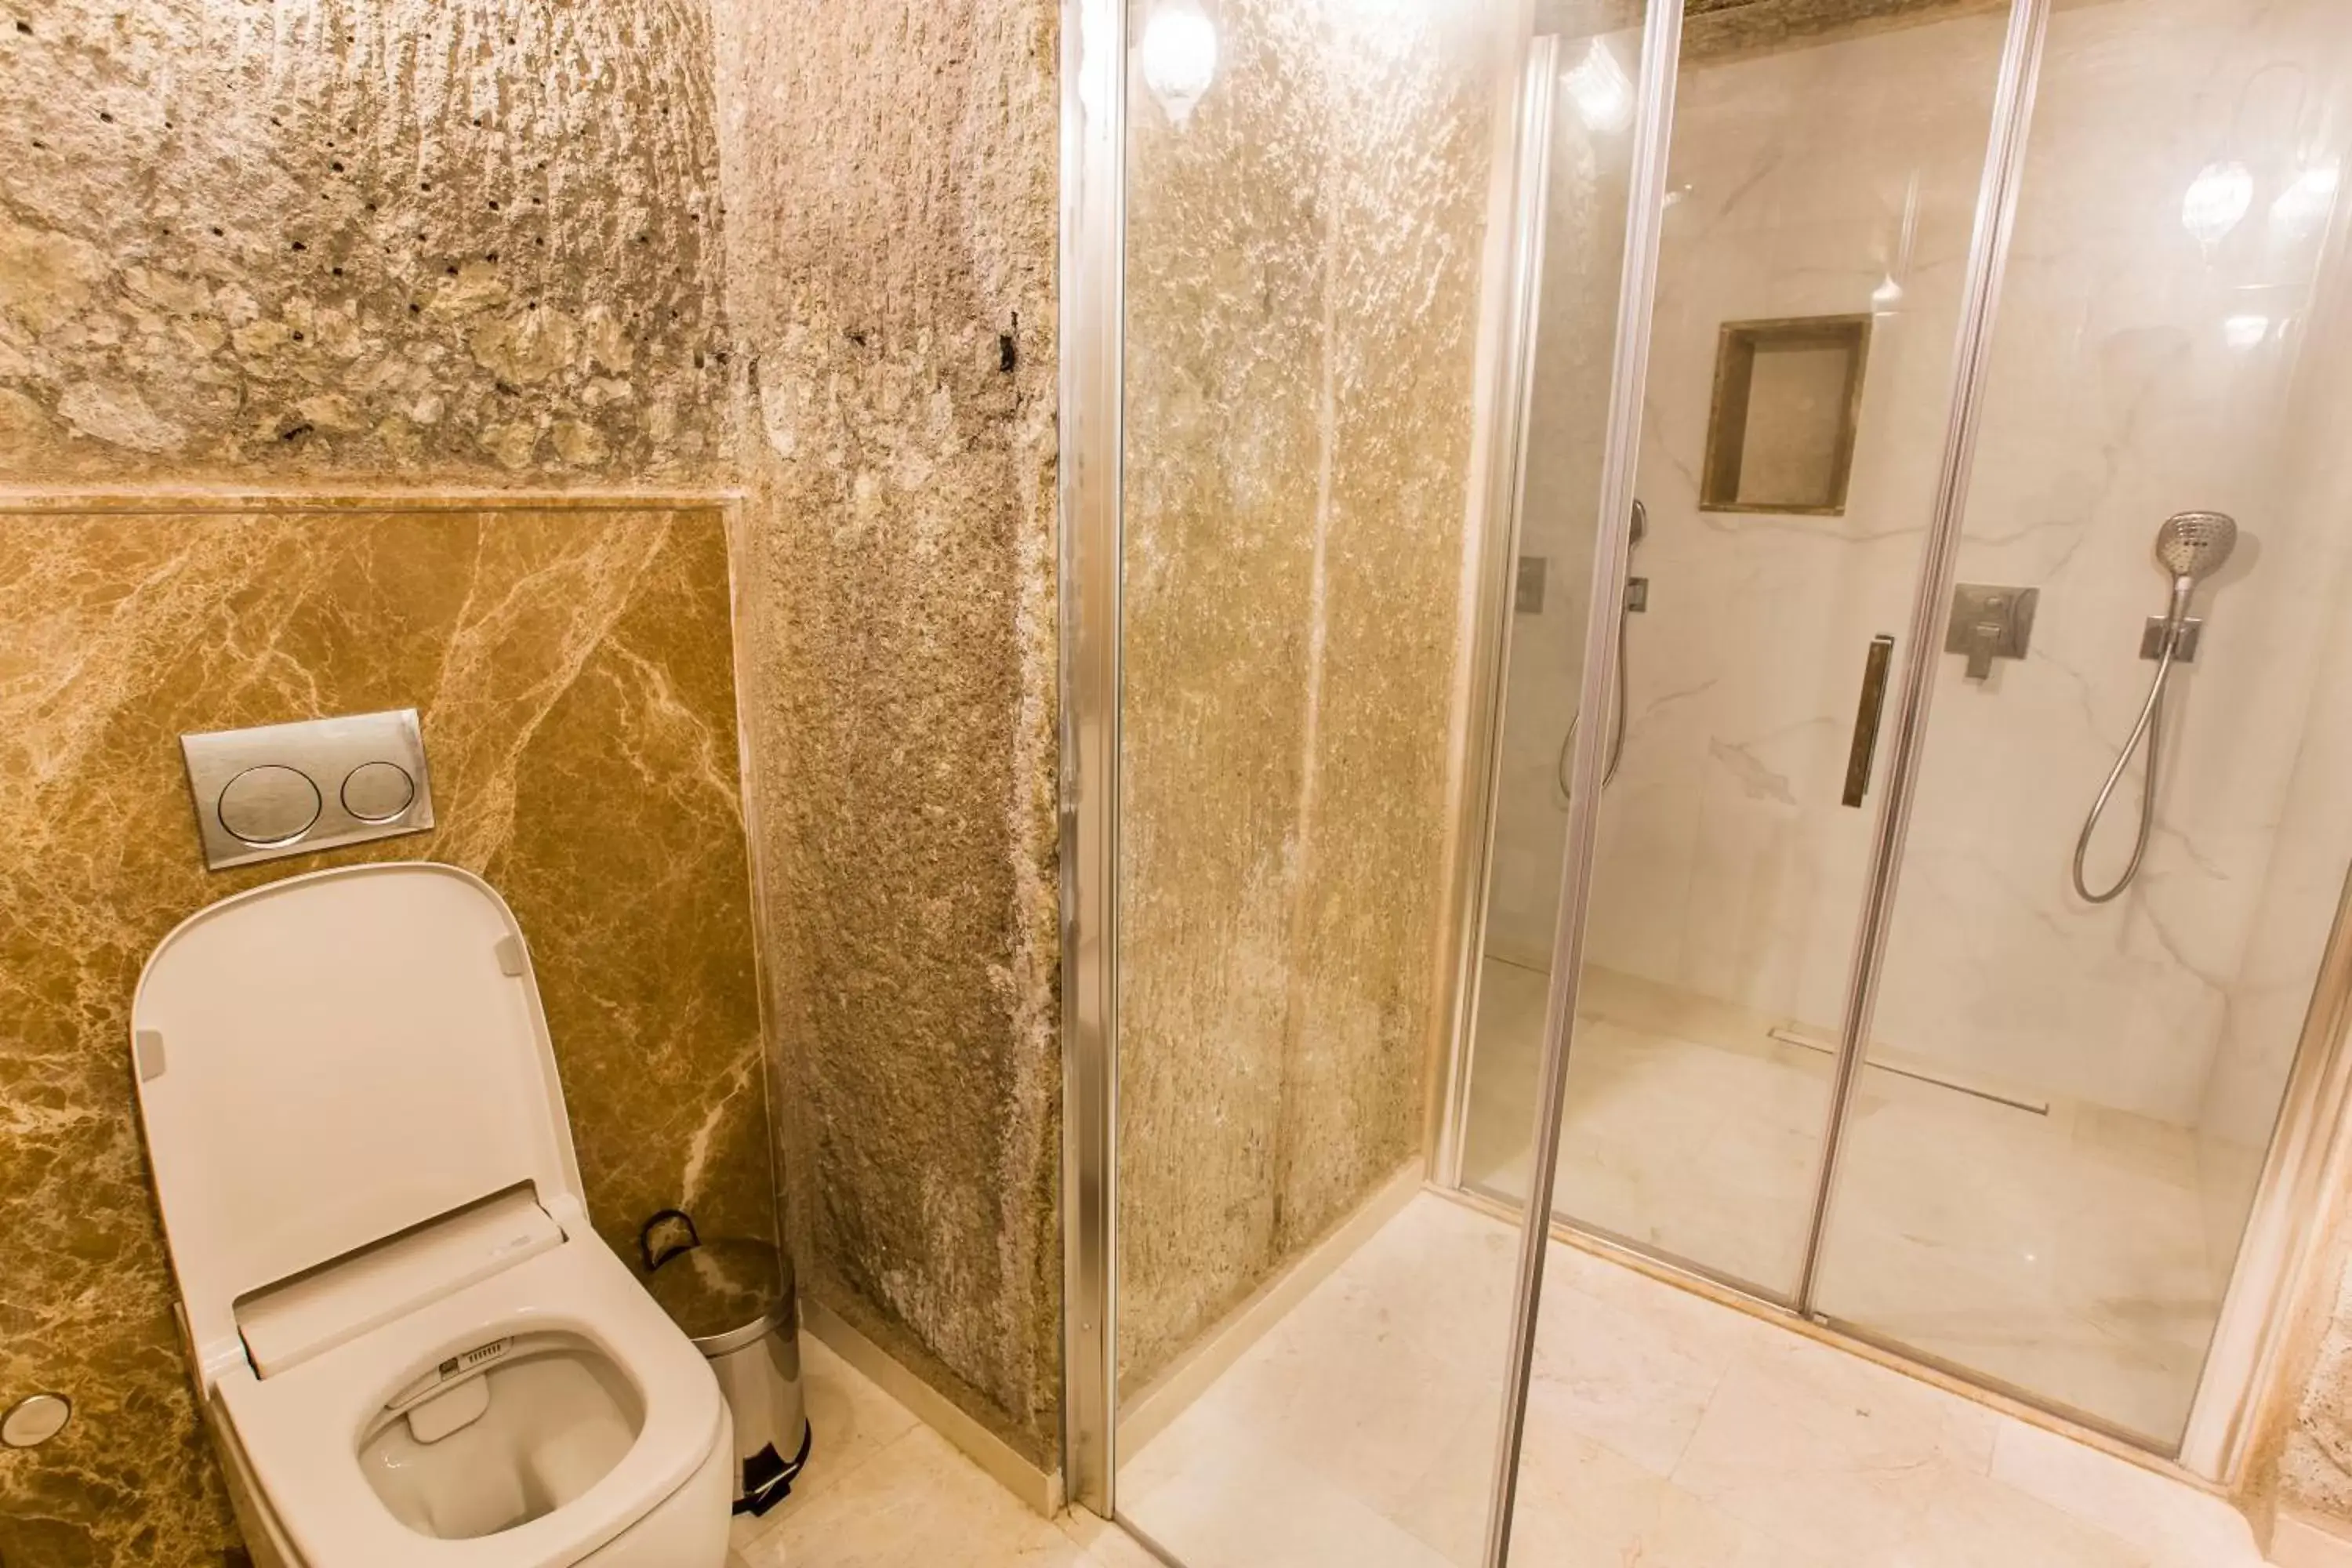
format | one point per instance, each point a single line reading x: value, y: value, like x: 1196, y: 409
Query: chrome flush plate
x: 290, y: 789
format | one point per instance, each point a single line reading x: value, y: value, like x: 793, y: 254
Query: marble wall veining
x: 1304, y: 249
x: 331, y: 244
x: 321, y: 238
x: 2301, y: 1462
x: 2139, y: 367
x: 2147, y: 356
x: 392, y: 250
x: 571, y: 665
x: 1800, y: 182
x: 890, y: 179
x: 2119, y: 393
x: 2304, y: 877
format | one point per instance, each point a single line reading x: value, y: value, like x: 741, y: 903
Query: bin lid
x: 724, y: 1292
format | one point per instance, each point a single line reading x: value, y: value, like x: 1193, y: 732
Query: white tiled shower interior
x: 2139, y: 368
x: 1662, y: 1429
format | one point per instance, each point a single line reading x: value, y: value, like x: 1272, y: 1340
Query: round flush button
x: 378, y: 791
x: 270, y: 804
x: 33, y: 1421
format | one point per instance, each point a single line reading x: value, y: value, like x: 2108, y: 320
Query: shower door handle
x: 1865, y: 718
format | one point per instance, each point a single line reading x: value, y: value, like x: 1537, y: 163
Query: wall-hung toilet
x: 412, y: 1348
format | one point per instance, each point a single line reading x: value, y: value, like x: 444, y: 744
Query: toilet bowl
x: 412, y: 1348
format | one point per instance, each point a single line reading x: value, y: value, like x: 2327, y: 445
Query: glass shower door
x: 1819, y: 205
x: 1306, y: 1358
x: 2098, y: 1036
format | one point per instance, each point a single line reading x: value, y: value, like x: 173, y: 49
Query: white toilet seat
x: 299, y: 1431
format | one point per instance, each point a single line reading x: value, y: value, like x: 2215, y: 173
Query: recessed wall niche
x: 1787, y: 397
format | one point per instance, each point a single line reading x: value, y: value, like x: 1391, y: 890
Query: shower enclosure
x: 1873, y: 1024
x: 1717, y: 636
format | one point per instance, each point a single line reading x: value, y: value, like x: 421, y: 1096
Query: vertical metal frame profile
x: 1645, y: 208
x: 1996, y: 216
x: 1092, y: 323
x: 1511, y: 394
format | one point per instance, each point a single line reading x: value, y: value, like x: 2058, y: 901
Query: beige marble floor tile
x: 917, y: 1502
x: 1827, y: 1456
x: 1406, y: 1341
x: 850, y: 1420
x: 1663, y: 1430
x: 1104, y: 1544
x: 1581, y: 1506
x: 1622, y: 1377
x: 882, y: 1490
x: 1238, y: 1501
x: 1973, y: 1521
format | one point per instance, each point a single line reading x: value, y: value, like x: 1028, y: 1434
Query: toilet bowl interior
x: 500, y: 1435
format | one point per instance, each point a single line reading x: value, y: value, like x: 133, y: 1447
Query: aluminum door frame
x: 1661, y: 33
x: 1092, y: 391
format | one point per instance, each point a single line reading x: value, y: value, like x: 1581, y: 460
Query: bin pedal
x: 768, y: 1478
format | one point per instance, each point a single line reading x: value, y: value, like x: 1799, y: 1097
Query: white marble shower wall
x: 2304, y: 881
x: 1817, y: 182
x: 2139, y: 368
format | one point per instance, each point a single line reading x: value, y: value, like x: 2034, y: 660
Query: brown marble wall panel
x: 1303, y: 257
x: 889, y: 176
x: 572, y: 669
x: 360, y: 237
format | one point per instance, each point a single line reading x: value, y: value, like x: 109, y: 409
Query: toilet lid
x: 325, y: 1061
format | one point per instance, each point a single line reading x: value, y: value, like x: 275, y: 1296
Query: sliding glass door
x: 1819, y: 213
x: 1961, y: 874
x: 2092, y: 1013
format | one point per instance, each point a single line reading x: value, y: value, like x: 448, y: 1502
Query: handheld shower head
x: 2191, y: 546
x: 2194, y: 545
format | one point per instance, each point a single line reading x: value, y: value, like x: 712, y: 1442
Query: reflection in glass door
x: 1819, y: 207
x: 1306, y: 1357
x: 2168, y: 343
x: 1985, y: 1071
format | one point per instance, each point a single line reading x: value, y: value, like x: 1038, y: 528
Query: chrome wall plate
x: 1990, y: 621
x: 290, y: 789
x: 2184, y: 644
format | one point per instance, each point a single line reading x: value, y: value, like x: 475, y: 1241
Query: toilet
x: 412, y: 1348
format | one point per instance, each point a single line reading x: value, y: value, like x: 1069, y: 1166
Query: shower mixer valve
x: 1990, y: 622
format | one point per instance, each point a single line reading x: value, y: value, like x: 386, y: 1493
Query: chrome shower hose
x: 2149, y: 728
